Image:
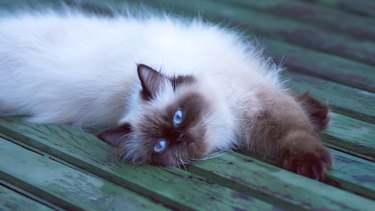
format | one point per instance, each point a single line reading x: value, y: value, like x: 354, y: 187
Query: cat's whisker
x: 181, y: 161
x: 211, y: 155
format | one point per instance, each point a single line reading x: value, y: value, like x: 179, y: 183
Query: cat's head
x: 176, y: 120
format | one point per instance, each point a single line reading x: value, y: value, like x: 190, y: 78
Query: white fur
x: 81, y: 69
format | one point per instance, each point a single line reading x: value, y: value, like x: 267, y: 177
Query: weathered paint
x: 327, y: 18
x: 249, y: 175
x: 64, y: 186
x: 171, y: 186
x: 10, y: 200
x: 342, y: 99
x: 352, y: 134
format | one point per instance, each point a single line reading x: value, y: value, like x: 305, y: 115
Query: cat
x: 169, y: 90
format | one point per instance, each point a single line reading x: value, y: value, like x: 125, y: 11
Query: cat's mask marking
x: 185, y: 138
x: 176, y: 129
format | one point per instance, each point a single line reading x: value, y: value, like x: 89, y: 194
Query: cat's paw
x: 311, y: 161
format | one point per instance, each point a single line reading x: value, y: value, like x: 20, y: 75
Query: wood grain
x: 173, y: 187
x: 69, y: 188
x: 10, y: 200
x: 247, y: 174
x: 326, y: 18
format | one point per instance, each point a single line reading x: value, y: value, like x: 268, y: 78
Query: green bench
x: 328, y: 48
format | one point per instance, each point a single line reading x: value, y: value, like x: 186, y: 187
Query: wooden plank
x: 10, y: 200
x: 293, y: 32
x: 275, y: 27
x: 171, y: 186
x: 247, y: 174
x: 37, y: 136
x: 342, y: 99
x: 322, y: 65
x: 25, y: 5
x: 324, y: 17
x: 299, y: 59
x: 353, y: 174
x: 353, y: 135
x: 62, y: 185
x: 303, y: 60
x: 364, y: 7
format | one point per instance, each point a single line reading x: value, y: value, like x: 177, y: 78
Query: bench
x: 328, y: 48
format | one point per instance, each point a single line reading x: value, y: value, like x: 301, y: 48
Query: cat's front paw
x: 311, y: 161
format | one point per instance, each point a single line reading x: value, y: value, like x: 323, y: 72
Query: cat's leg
x: 288, y: 134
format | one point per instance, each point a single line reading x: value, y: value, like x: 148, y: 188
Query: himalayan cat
x: 170, y: 90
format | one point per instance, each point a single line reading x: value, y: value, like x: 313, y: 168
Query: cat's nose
x: 181, y: 137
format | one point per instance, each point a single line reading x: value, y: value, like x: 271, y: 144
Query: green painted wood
x: 20, y: 5
x: 353, y: 174
x: 29, y: 195
x: 352, y: 102
x: 10, y: 200
x: 62, y: 185
x: 288, y: 30
x: 326, y: 18
x: 299, y: 59
x: 303, y: 60
x: 171, y: 186
x: 246, y: 174
x: 27, y: 131
x: 322, y: 65
x: 354, y: 135
x: 364, y: 7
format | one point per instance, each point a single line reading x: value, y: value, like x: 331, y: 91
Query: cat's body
x: 83, y: 71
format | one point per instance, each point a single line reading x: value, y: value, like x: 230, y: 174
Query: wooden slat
x: 353, y: 102
x: 327, y: 18
x: 26, y: 5
x: 64, y: 186
x: 275, y: 27
x: 300, y: 59
x: 171, y: 186
x: 38, y: 136
x: 348, y: 134
x: 353, y: 174
x: 291, y: 31
x: 247, y: 174
x: 10, y: 200
x: 364, y: 7
x: 322, y: 65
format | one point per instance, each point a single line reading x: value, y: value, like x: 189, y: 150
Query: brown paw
x: 311, y: 161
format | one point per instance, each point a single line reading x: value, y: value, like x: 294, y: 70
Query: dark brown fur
x: 288, y: 135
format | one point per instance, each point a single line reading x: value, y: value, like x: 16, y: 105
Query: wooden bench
x: 328, y: 48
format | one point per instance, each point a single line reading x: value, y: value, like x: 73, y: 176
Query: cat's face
x: 174, y: 123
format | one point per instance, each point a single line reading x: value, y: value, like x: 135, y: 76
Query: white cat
x: 174, y: 90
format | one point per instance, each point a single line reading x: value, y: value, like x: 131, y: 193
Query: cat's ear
x: 151, y: 81
x: 318, y: 112
x: 115, y: 136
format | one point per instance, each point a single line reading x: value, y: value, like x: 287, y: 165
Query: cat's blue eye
x: 160, y: 146
x: 178, y: 117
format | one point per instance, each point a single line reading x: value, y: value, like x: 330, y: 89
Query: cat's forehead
x: 177, y: 91
x: 191, y: 101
